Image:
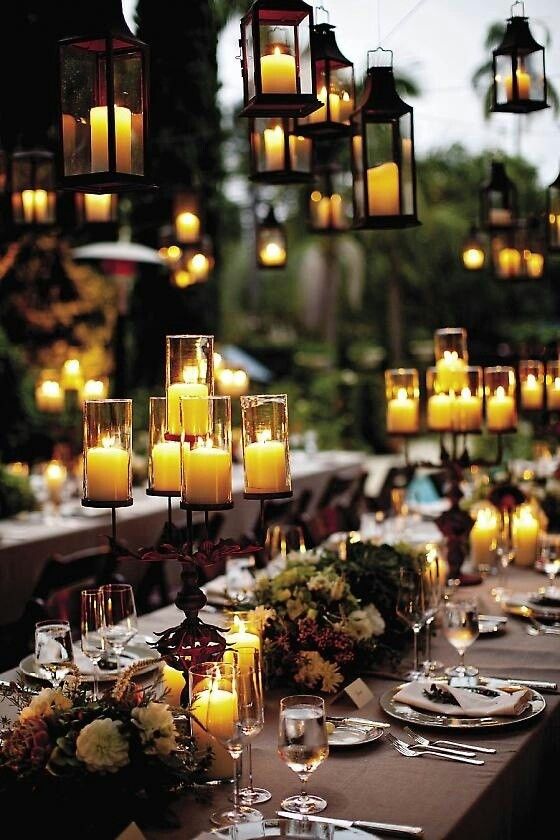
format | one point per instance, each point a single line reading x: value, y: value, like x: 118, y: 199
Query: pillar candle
x: 72, y: 375
x: 187, y: 226
x: 509, y: 262
x: 525, y: 536
x: 500, y: 411
x: 300, y: 152
x: 402, y: 413
x: 439, y: 412
x: 272, y: 254
x: 207, y: 475
x: 274, y: 148
x: 278, y: 72
x: 214, y: 708
x: 265, y: 465
x: 346, y: 106
x: 97, y: 207
x: 466, y: 412
x: 244, y: 643
x: 483, y: 537
x: 451, y: 372
x: 523, y: 85
x: 534, y: 264
x: 532, y: 392
x: 553, y: 393
x: 195, y: 414
x: 107, y: 473
x: 383, y: 190
x: 99, y: 125
x: 173, y: 683
x: 94, y: 389
x: 35, y: 205
x: 49, y: 396
x: 166, y: 466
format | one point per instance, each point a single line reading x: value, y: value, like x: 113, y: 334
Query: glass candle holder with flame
x: 107, y: 453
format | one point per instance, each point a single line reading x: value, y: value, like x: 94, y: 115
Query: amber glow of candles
x: 99, y: 126
x: 326, y: 210
x: 466, y: 411
x: 97, y: 207
x: 334, y: 99
x: 232, y: 383
x: 72, y: 379
x: 499, y: 216
x: 553, y: 393
x: 509, y: 262
x: 402, y: 414
x: 484, y: 535
x: 439, y: 412
x: 173, y: 684
x: 525, y: 533
x: 473, y: 258
x: 207, y: 474
x: 107, y: 470
x: 199, y: 266
x: 278, y: 71
x: 49, y: 396
x: 274, y: 144
x: 272, y: 255
x: 300, y: 152
x: 187, y: 225
x: 523, y: 85
x: 35, y: 204
x: 534, y: 264
x: 94, y: 389
x: 244, y: 642
x: 166, y: 466
x: 383, y: 190
x: 195, y: 419
x: 55, y: 478
x: 532, y: 392
x: 500, y: 411
x: 451, y: 372
x: 214, y: 708
x: 346, y: 106
x: 265, y: 465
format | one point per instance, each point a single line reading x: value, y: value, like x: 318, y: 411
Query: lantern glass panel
x: 358, y: 167
x: 33, y: 195
x: 248, y: 54
x: 335, y: 86
x: 553, y: 220
x: 271, y: 247
x: 528, y: 69
x: 382, y: 169
x: 128, y: 95
x: 276, y: 149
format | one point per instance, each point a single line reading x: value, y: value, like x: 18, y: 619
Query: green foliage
x: 15, y: 494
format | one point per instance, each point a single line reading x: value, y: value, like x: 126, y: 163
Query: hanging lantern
x: 272, y: 245
x: 278, y: 155
x: 334, y: 80
x: 103, y: 122
x: 553, y: 216
x: 329, y: 207
x: 187, y: 218
x: 498, y: 199
x: 473, y: 251
x: 32, y: 185
x: 94, y: 208
x: 277, y: 60
x: 535, y: 250
x: 519, y: 85
x: 519, y: 254
x: 383, y: 166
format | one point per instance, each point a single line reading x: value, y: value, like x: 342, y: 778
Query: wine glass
x: 550, y: 561
x: 433, y: 593
x: 303, y: 745
x: 460, y: 626
x: 53, y: 649
x: 93, y: 642
x: 252, y: 723
x: 505, y: 554
x: 119, y: 622
x: 411, y: 609
x: 282, y: 540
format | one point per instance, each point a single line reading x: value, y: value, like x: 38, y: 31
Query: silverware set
x: 417, y: 751
x: 471, y: 748
x: 538, y: 629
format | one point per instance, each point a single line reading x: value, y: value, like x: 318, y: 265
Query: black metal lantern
x: 277, y: 59
x: 103, y: 123
x: 96, y: 208
x: 278, y: 155
x: 498, y: 200
x: 33, y: 187
x: 553, y: 216
x: 272, y: 243
x: 519, y: 85
x: 473, y: 251
x: 187, y: 217
x: 329, y: 209
x: 383, y: 166
x: 334, y: 81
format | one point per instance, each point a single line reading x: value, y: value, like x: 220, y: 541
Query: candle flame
x: 72, y: 366
x: 50, y: 388
x: 345, y: 96
x: 402, y: 394
x: 557, y: 382
x: 190, y: 374
x: 500, y: 392
x: 238, y: 624
x: 108, y: 441
x: 450, y: 355
x: 466, y: 393
x: 531, y: 379
x: 264, y: 435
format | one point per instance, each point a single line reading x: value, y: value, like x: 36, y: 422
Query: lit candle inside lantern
x: 509, y: 262
x: 99, y: 124
x: 107, y: 469
x: 272, y: 254
x: 532, y: 392
x: 320, y: 115
x: 207, y: 474
x: 187, y: 226
x: 199, y: 266
x: 553, y: 393
x: 35, y: 205
x: 166, y: 466
x: 402, y: 413
x: 326, y: 211
x: 49, y: 396
x: 300, y: 152
x: 346, y: 106
x: 383, y: 190
x: 274, y: 148
x: 535, y: 264
x: 466, y: 412
x: 244, y: 642
x: 195, y: 413
x: 473, y: 258
x: 55, y: 478
x: 500, y: 411
x: 523, y: 85
x: 214, y: 708
x: 232, y: 383
x: 483, y: 537
x: 173, y: 683
x: 94, y: 389
x: 97, y: 207
x: 439, y: 412
x: 499, y: 216
x: 525, y: 532
x: 265, y: 465
x: 451, y: 372
x: 72, y: 375
x: 278, y: 72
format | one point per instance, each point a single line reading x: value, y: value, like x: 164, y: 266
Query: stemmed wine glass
x: 93, y: 641
x: 303, y: 745
x: 119, y: 621
x: 460, y: 625
x: 433, y: 593
x: 411, y: 609
x: 253, y: 724
x: 53, y: 649
x: 550, y: 561
x: 505, y: 554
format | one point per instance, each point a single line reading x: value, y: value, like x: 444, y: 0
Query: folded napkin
x: 471, y: 704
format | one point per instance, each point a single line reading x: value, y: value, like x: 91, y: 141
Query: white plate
x: 132, y: 654
x: 487, y: 627
x: 353, y: 732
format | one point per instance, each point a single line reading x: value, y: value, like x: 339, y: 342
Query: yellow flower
x: 45, y: 704
x: 331, y: 676
x: 283, y: 595
x: 309, y: 668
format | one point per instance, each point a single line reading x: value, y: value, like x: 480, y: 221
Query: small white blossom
x: 157, y: 730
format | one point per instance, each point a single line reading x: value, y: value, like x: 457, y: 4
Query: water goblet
x: 92, y: 640
x: 252, y: 723
x: 283, y: 539
x: 303, y: 745
x: 411, y: 609
x: 460, y: 627
x: 505, y: 554
x: 53, y: 649
x: 119, y: 621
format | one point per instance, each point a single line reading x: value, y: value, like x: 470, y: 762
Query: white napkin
x: 471, y: 704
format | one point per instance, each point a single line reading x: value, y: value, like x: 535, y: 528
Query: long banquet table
x: 512, y: 795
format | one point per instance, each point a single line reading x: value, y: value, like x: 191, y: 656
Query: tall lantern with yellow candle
x: 531, y: 384
x: 189, y: 373
x: 103, y: 119
x: 164, y: 456
x: 519, y: 69
x: 206, y: 464
x: 553, y: 385
x: 383, y: 163
x: 272, y: 243
x: 499, y: 390
x: 33, y: 187
x: 107, y: 453
x: 450, y: 350
x: 525, y: 533
x: 279, y: 154
x: 266, y: 457
x: 402, y: 391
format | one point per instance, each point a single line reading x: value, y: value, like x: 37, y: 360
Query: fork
x: 423, y: 742
x: 406, y: 750
x: 474, y: 747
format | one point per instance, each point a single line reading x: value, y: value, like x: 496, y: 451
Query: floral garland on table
x: 325, y: 619
x: 123, y: 757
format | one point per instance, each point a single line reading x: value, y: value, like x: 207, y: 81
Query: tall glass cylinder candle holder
x: 107, y: 453
x: 206, y: 471
x: 266, y: 457
x: 499, y: 391
x: 403, y: 400
x: 164, y: 456
x: 531, y: 384
x: 243, y: 636
x: 466, y: 408
x: 440, y: 402
x: 189, y: 373
x: 553, y: 385
x: 213, y: 713
x: 450, y: 349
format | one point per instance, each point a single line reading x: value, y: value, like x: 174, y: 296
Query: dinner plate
x: 420, y: 717
x: 487, y: 627
x: 132, y: 653
x: 526, y: 604
x: 285, y: 828
x: 353, y: 732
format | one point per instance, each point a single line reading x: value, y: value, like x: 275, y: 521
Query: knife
x: 384, y: 828
x: 539, y: 685
x: 363, y: 722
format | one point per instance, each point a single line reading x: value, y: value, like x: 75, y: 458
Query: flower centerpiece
x: 326, y: 619
x: 105, y: 763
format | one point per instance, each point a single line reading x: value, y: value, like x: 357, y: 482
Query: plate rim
x: 370, y: 739
x: 226, y: 831
x: 103, y: 676
x: 516, y: 609
x: 494, y: 723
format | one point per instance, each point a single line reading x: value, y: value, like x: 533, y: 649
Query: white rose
x: 101, y: 746
x: 365, y: 623
x: 157, y: 730
x: 45, y: 703
x: 376, y: 619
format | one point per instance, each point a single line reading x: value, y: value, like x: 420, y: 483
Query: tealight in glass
x: 164, y: 456
x: 553, y: 385
x: 531, y: 384
x: 403, y: 400
x: 499, y: 390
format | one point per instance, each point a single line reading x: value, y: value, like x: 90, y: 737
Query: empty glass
x: 460, y: 626
x: 303, y: 745
x: 550, y: 558
x: 119, y: 622
x: 91, y: 621
x: 505, y: 554
x: 53, y: 649
x: 253, y: 725
x: 433, y: 594
x: 411, y: 609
